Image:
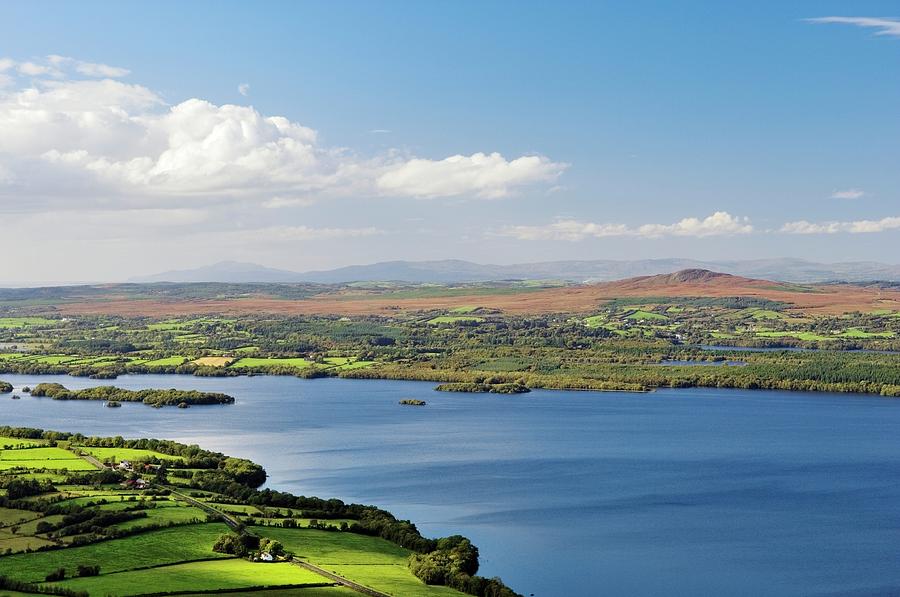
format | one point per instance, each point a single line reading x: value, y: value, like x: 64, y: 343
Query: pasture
x: 262, y: 363
x: 370, y: 561
x: 213, y: 575
x: 120, y: 454
x: 154, y: 548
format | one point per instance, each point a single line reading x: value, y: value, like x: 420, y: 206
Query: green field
x: 165, y: 362
x: 262, y: 363
x: 24, y: 322
x: 38, y: 453
x: 18, y: 442
x: 646, y: 316
x: 304, y: 592
x: 370, y: 561
x: 455, y: 319
x: 59, y: 464
x: 120, y: 454
x: 208, y: 576
x: 11, y: 516
x: 156, y: 548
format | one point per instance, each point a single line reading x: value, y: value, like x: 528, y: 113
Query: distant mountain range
x: 452, y: 270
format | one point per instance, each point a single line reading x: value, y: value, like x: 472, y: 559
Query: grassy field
x: 455, y: 319
x: 165, y: 362
x: 24, y: 322
x: 370, y: 561
x: 207, y: 576
x: 646, y: 316
x: 168, y: 515
x: 36, y: 453
x: 11, y: 516
x: 120, y: 454
x: 18, y: 442
x: 251, y: 362
x: 71, y: 464
x: 156, y: 548
x: 304, y: 592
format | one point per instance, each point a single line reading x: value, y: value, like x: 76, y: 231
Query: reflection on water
x: 676, y: 492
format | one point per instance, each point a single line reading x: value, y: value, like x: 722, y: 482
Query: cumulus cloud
x: 108, y: 138
x: 848, y: 194
x: 718, y: 224
x: 882, y: 25
x: 484, y: 175
x: 853, y: 227
x: 244, y: 89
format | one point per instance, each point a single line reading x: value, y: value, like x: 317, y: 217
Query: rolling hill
x: 457, y: 271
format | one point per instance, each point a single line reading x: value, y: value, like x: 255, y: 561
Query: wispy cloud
x: 244, y: 89
x: 883, y: 25
x: 848, y: 194
x: 720, y: 223
x: 282, y: 202
x: 301, y: 233
x: 853, y: 227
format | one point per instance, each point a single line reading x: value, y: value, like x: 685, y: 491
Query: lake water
x: 675, y: 492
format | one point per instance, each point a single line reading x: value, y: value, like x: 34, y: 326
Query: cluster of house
x: 135, y: 484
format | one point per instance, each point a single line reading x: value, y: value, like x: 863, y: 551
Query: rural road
x: 339, y: 579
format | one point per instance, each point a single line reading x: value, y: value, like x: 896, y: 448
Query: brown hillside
x: 812, y: 299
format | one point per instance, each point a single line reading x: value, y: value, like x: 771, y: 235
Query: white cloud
x: 883, y: 25
x: 104, y: 139
x: 6, y: 64
x: 33, y: 69
x: 88, y: 69
x: 380, y: 131
x: 91, y: 69
x: 854, y: 227
x: 484, y: 175
x: 848, y: 194
x: 718, y: 224
x: 244, y: 89
x: 281, y: 202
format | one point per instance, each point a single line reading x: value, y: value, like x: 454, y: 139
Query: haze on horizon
x: 137, y: 138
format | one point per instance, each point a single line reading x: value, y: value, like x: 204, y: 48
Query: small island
x: 5, y: 387
x: 113, y: 395
x: 475, y: 387
x: 412, y: 402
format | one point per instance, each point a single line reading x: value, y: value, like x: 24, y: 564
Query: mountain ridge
x: 599, y: 270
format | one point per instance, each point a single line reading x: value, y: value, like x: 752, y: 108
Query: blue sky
x: 622, y: 130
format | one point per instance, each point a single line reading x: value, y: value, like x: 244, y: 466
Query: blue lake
x: 676, y: 492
